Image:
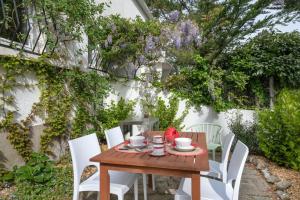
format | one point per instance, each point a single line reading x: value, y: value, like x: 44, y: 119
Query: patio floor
x: 253, y: 187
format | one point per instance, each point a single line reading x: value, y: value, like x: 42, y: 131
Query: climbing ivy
x: 18, y: 131
x: 69, y: 101
x: 87, y: 92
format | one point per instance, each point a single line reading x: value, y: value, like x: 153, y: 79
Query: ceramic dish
x: 185, y: 149
x: 133, y: 147
x: 157, y: 155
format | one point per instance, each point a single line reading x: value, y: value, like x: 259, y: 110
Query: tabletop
x: 190, y: 163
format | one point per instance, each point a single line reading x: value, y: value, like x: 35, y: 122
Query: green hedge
x: 279, y: 130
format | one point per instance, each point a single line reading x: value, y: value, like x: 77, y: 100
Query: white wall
x: 125, y: 8
x: 204, y: 114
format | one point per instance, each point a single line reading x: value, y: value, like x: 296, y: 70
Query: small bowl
x: 137, y: 140
x: 183, y: 142
x: 157, y: 139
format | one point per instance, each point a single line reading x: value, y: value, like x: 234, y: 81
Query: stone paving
x: 253, y: 187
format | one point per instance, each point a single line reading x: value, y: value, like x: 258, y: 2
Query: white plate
x: 140, y: 146
x: 185, y: 149
x: 155, y: 154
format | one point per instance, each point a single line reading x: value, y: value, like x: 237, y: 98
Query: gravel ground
x: 287, y: 174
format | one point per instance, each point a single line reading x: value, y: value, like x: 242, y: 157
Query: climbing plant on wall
x: 11, y: 76
x: 71, y: 103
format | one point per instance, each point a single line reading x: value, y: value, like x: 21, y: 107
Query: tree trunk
x: 271, y: 92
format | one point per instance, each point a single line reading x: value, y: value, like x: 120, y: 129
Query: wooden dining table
x: 144, y: 163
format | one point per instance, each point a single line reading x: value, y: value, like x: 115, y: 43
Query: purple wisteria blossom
x: 174, y: 16
x: 189, y: 28
x: 185, y: 34
x: 156, y: 40
x: 105, y: 44
x: 141, y: 59
x: 113, y: 27
x: 109, y: 39
x: 177, y: 41
x: 150, y: 44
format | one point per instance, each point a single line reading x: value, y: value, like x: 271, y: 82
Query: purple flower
x: 150, y: 44
x: 156, y: 39
x: 174, y: 16
x: 113, y: 27
x: 177, y: 41
x: 186, y: 33
x: 105, y: 44
x: 109, y: 39
x: 142, y: 59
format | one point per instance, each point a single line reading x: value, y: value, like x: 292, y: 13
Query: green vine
x: 69, y: 103
x: 18, y: 131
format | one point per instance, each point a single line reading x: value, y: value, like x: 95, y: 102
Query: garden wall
x: 130, y: 91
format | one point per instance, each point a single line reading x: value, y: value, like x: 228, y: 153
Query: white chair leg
x: 120, y: 196
x: 153, y: 182
x: 75, y: 195
x: 145, y: 186
x: 98, y: 195
x: 136, y: 190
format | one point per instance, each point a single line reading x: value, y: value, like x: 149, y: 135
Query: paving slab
x: 253, y: 187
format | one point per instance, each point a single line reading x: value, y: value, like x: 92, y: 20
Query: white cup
x: 158, y: 139
x: 158, y: 149
x: 183, y: 142
x: 137, y: 140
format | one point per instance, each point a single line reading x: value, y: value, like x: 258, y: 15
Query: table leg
x: 196, y: 187
x: 150, y: 181
x: 104, y: 183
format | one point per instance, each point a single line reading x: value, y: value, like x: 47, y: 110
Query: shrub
x: 40, y: 179
x: 116, y: 112
x: 246, y: 132
x: 167, y: 113
x: 39, y: 169
x: 279, y: 130
x: 59, y: 187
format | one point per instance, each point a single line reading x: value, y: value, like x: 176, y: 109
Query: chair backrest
x: 114, y: 137
x: 236, y: 166
x: 212, y: 131
x: 226, y: 146
x: 82, y: 149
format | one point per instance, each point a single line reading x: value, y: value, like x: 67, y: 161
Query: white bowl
x: 137, y: 140
x: 183, y: 142
x: 158, y: 139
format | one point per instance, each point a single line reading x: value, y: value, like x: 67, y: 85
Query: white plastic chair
x: 213, y: 135
x: 219, y: 169
x: 114, y: 137
x: 82, y: 149
x: 217, y: 190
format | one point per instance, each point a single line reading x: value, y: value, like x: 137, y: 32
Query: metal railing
x: 24, y: 28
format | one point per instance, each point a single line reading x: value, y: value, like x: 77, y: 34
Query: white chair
x: 114, y: 137
x: 213, y: 135
x: 217, y: 190
x: 219, y: 169
x: 82, y: 149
